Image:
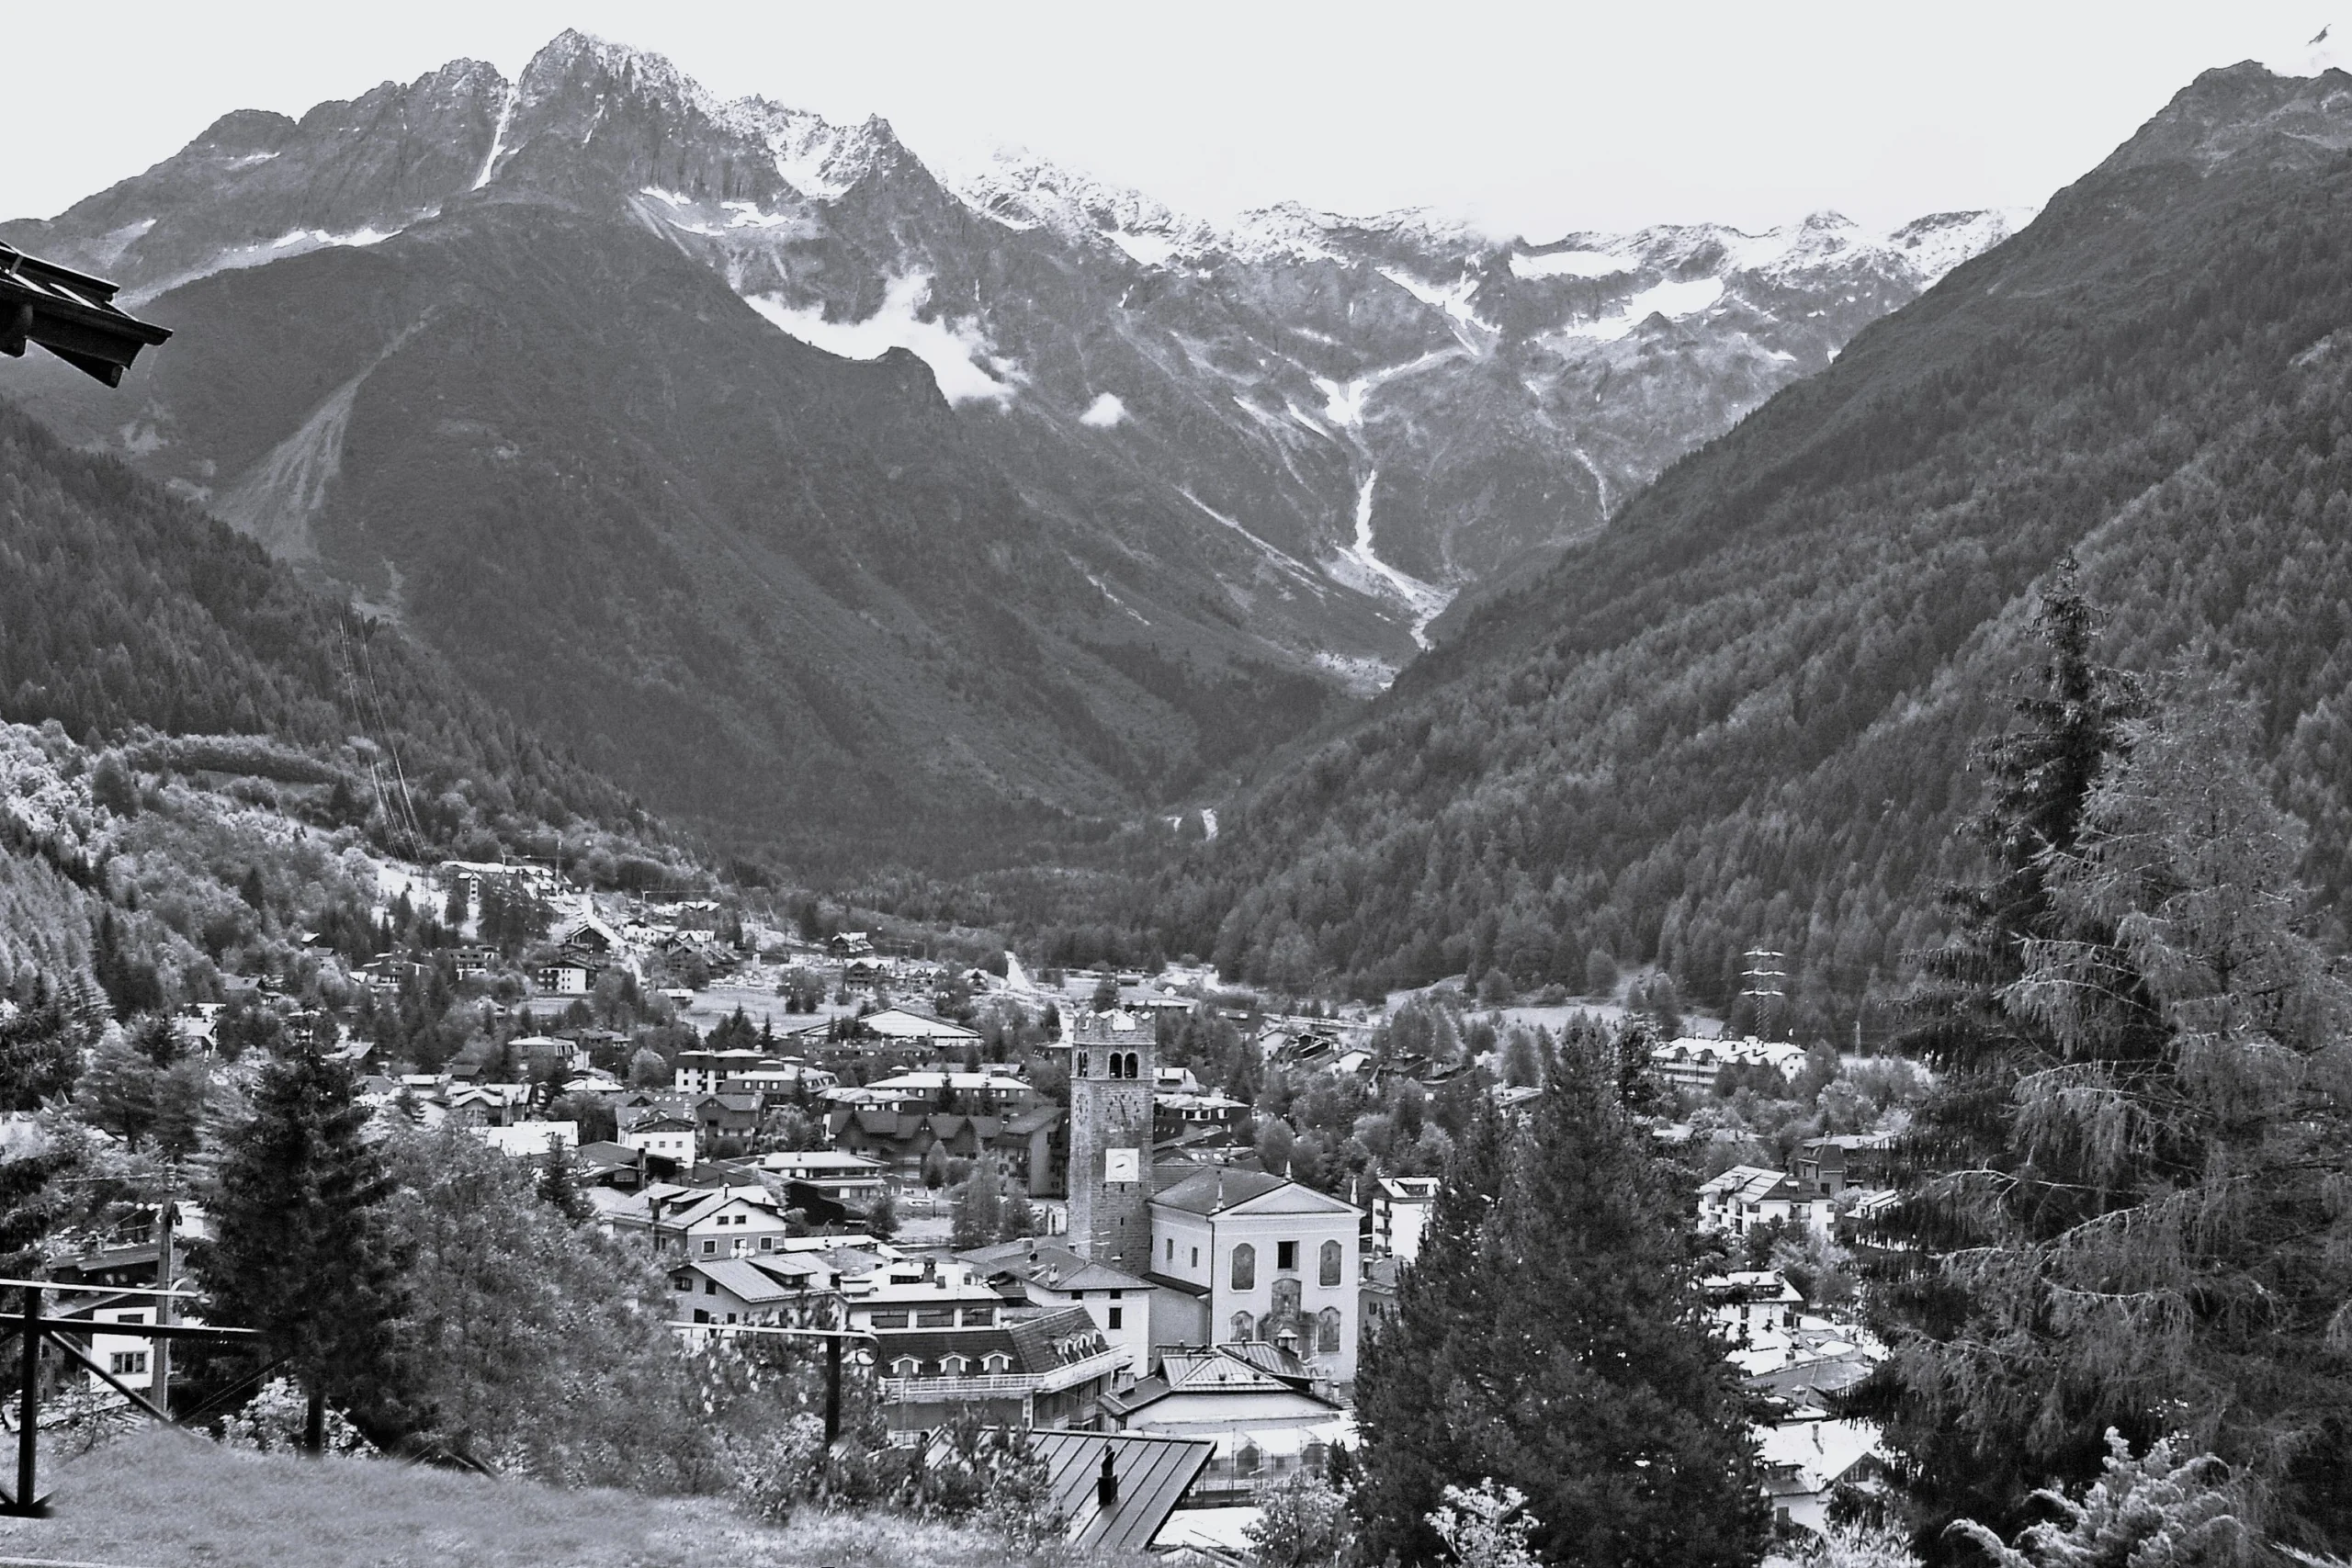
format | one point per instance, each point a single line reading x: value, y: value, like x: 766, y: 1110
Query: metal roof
x: 1153, y: 1474
x: 68, y: 313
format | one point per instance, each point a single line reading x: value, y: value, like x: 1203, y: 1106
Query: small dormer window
x: 953, y: 1366
x: 996, y: 1362
x: 906, y: 1366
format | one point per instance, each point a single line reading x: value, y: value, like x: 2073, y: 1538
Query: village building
x: 897, y: 1027
x: 1747, y: 1196
x: 1400, y: 1211
x: 1044, y: 1274
x: 530, y: 1140
x: 1834, y: 1165
x: 672, y: 1138
x: 1748, y: 1302
x: 1692, y: 1063
x: 562, y: 978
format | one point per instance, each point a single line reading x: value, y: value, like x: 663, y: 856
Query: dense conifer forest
x: 1742, y: 717
x: 129, y: 612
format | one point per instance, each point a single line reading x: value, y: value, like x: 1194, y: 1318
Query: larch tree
x: 2166, y: 1244
x: 299, y: 1250
x: 2041, y: 773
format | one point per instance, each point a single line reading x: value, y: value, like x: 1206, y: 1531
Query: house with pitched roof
x: 1023, y: 1366
x: 1747, y: 1196
x: 1043, y: 1274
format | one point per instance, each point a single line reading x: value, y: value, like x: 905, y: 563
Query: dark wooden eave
x: 70, y: 314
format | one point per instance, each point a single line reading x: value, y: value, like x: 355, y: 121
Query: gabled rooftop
x: 1220, y: 1190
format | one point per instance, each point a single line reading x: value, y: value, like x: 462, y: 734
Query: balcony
x: 1003, y: 1385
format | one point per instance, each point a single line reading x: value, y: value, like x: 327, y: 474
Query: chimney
x: 1106, y: 1485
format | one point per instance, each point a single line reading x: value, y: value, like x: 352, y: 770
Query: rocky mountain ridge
x: 750, y: 407
x: 1258, y: 379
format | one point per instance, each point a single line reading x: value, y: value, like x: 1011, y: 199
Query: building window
x: 1082, y: 1064
x: 1171, y: 1249
x: 127, y: 1363
x: 996, y: 1362
x: 767, y: 1244
x: 709, y: 1247
x: 935, y: 1317
x: 701, y: 1317
x: 889, y: 1320
x: 1326, y: 1331
x: 978, y: 1317
x: 1329, y: 1274
x: 952, y: 1366
x: 1196, y: 1257
x: 1244, y: 1268
x: 1118, y: 1316
x: 1285, y: 1255
x: 906, y: 1366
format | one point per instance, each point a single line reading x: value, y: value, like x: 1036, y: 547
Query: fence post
x: 29, y: 1401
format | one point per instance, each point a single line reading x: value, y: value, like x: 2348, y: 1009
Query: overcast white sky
x: 1529, y: 119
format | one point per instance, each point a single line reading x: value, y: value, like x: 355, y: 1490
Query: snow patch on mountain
x: 1359, y: 567
x: 819, y: 158
x: 497, y: 135
x: 1150, y: 249
x: 1453, y: 299
x: 1566, y: 263
x: 1273, y: 553
x: 1673, y: 299
x: 1105, y: 413
x: 962, y: 360
x: 293, y: 242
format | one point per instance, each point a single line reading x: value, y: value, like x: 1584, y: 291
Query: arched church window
x: 1244, y: 1268
x: 1082, y: 1064
x: 1328, y: 1271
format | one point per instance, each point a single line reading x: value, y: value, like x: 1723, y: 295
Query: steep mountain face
x: 129, y: 615
x: 1742, y: 717
x: 740, y: 451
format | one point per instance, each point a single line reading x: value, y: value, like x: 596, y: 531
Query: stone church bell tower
x: 1111, y: 1066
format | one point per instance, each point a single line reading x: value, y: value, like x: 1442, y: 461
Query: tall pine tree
x: 1557, y: 1343
x: 1401, y: 1394
x: 300, y: 1250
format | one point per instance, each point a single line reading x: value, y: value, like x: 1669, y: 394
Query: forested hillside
x: 125, y: 609
x: 1744, y: 715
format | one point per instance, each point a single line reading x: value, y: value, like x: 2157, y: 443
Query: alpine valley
x: 1742, y: 717
x: 829, y: 502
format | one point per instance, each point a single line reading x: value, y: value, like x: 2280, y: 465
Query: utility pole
x: 1764, y: 975
x: 166, y: 1247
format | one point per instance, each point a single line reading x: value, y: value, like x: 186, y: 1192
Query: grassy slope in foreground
x: 161, y: 1500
